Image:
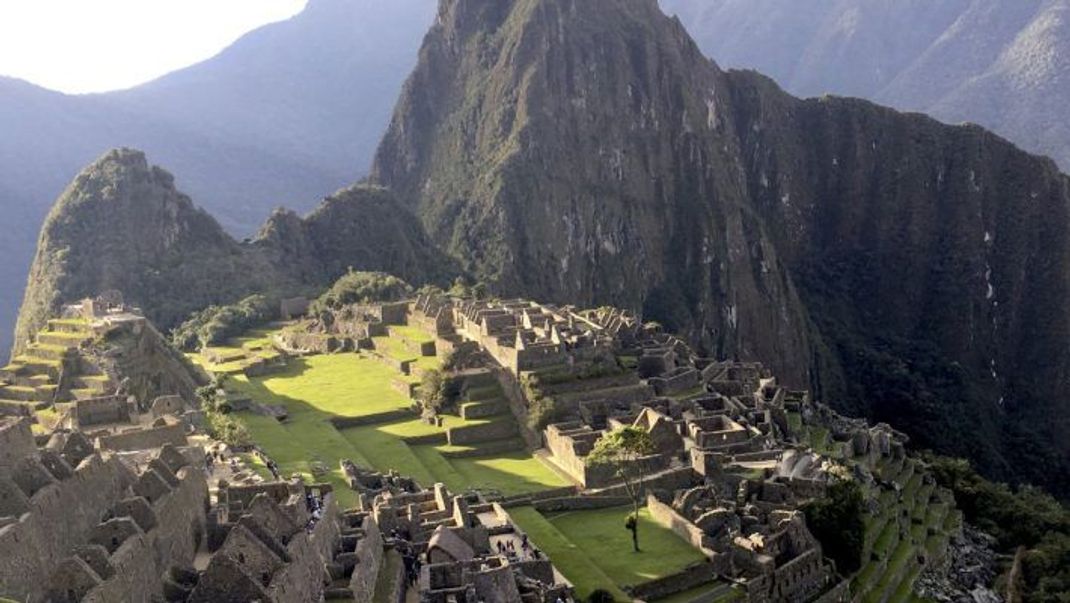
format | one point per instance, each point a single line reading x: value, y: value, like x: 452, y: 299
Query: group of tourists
x: 214, y: 456
x: 314, y: 504
x: 507, y: 549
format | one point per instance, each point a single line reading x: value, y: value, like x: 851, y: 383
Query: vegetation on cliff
x: 1025, y: 521
x: 587, y: 152
x: 361, y: 287
x: 216, y: 324
x: 123, y: 225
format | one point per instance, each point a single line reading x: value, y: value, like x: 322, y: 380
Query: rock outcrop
x: 123, y: 225
x: 587, y: 152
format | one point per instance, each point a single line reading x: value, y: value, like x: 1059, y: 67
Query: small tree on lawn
x: 621, y: 449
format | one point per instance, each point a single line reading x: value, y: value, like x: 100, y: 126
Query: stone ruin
x: 347, y: 329
x: 81, y: 525
x: 285, y: 541
x: 520, y: 335
x: 459, y: 538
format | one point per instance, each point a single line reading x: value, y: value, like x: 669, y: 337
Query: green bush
x: 361, y: 287
x: 542, y: 411
x: 1016, y: 518
x: 216, y: 324
x: 438, y: 391
x: 227, y: 429
x: 1026, y: 517
x: 837, y: 521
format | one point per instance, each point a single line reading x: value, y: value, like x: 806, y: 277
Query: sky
x: 79, y: 46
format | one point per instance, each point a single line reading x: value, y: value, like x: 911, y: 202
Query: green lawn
x: 297, y: 444
x: 510, y: 473
x: 594, y: 550
x: 313, y: 390
x: 345, y: 385
x: 413, y: 334
x: 385, y: 451
x: 316, y: 388
x: 393, y: 347
x: 727, y: 594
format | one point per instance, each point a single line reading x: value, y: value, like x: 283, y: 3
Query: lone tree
x: 622, y: 449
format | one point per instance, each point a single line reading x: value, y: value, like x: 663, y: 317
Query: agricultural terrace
x: 913, y: 522
x: 322, y: 394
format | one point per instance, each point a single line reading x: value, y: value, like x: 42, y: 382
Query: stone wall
x: 101, y: 411
x: 580, y: 503
x: 145, y: 439
x: 690, y: 577
x: 16, y: 442
x: 666, y: 516
x: 518, y: 404
x: 33, y: 547
x: 141, y: 561
x: 370, y: 558
x: 149, y: 366
x: 494, y: 430
x: 670, y: 480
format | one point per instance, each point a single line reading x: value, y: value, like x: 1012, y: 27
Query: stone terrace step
x: 15, y: 408
x: 595, y: 383
x: 48, y: 352
x: 628, y: 394
x: 29, y: 380
x: 32, y: 365
x: 481, y: 449
x: 84, y: 393
x: 484, y: 408
x: 69, y: 325
x: 17, y: 392
x: 25, y: 407
x: 59, y: 338
x: 96, y: 383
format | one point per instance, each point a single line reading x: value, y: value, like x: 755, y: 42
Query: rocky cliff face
x: 1001, y: 64
x: 123, y: 225
x: 586, y: 151
x: 580, y: 152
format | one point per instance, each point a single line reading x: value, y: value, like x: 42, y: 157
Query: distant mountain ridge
x: 1002, y: 64
x: 286, y: 115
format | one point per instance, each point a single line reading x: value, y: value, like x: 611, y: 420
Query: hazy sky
x: 98, y: 45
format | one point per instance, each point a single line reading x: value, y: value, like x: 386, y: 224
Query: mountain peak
x: 586, y: 152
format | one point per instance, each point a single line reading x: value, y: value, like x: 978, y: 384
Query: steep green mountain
x: 123, y: 225
x: 287, y: 114
x: 1004, y: 65
x: 587, y: 152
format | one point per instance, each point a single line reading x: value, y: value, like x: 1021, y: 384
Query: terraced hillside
x: 51, y: 371
x: 360, y: 406
x: 911, y: 523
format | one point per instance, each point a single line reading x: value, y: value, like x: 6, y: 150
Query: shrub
x: 361, y: 287
x: 216, y: 324
x: 837, y: 522
x: 541, y: 412
x: 227, y: 429
x: 437, y: 391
